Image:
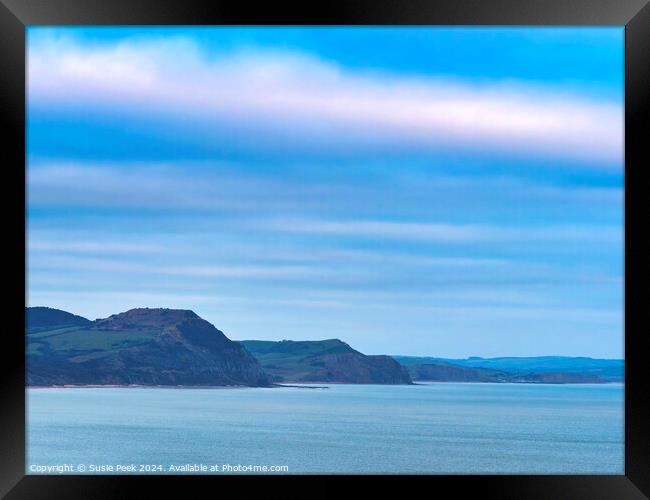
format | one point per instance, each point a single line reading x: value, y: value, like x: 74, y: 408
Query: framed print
x: 363, y: 241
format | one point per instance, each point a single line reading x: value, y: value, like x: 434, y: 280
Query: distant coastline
x: 171, y: 348
x: 289, y: 385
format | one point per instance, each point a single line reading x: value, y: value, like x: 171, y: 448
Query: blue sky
x: 421, y: 191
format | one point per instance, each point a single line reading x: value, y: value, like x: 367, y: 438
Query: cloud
x: 393, y: 273
x: 94, y: 247
x: 190, y: 185
x: 142, y: 185
x: 252, y: 251
x: 444, y: 232
x: 239, y: 186
x: 207, y: 271
x: 312, y: 102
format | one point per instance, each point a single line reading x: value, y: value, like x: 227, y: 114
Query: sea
x: 428, y: 428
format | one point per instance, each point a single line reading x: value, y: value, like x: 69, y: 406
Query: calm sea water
x: 430, y: 428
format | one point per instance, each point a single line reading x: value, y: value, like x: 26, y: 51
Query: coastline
x: 303, y: 385
x: 143, y: 386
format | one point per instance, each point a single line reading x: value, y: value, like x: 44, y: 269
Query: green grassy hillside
x: 324, y: 361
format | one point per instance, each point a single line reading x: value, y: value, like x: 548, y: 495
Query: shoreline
x: 300, y: 385
x: 144, y: 386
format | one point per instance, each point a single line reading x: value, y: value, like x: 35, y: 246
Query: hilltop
x: 38, y: 318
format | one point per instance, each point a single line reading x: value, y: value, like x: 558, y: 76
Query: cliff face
x: 444, y: 372
x: 557, y: 378
x: 140, y: 346
x: 356, y: 368
x: 325, y: 361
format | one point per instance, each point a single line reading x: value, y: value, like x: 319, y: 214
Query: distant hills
x: 541, y: 369
x: 176, y: 347
x: 324, y: 361
x: 140, y: 346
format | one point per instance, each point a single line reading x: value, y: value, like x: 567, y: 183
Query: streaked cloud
x: 314, y: 101
x: 211, y: 186
x: 236, y: 186
x: 94, y: 247
x: 444, y: 232
x: 205, y: 271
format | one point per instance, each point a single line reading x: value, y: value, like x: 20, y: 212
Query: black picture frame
x: 15, y: 15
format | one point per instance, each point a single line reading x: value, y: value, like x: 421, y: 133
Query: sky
x: 441, y: 191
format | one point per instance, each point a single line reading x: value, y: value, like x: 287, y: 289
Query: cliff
x: 321, y: 361
x: 140, y: 346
